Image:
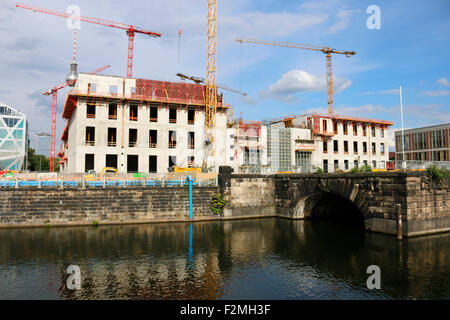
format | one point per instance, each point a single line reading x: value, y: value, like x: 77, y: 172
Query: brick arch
x: 307, y: 197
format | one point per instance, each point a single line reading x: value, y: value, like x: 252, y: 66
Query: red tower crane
x: 131, y: 30
x: 54, y: 92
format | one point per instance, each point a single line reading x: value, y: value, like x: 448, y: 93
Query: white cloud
x: 343, y: 20
x: 444, y: 82
x: 436, y: 93
x: 296, y: 81
x: 389, y: 91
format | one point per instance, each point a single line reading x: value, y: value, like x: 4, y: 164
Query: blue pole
x: 189, y: 178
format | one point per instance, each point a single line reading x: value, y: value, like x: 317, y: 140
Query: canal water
x: 243, y: 259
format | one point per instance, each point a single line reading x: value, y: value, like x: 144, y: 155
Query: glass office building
x: 13, y: 137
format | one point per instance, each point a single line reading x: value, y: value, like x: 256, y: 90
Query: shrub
x: 217, y: 203
x: 95, y: 223
x: 437, y: 174
x: 366, y: 168
x: 354, y: 170
x: 319, y: 170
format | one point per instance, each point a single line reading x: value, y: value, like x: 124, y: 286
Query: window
x: 232, y: 146
x: 191, y: 140
x: 325, y: 147
x: 132, y: 138
x: 355, y: 129
x: 132, y: 163
x: 335, y: 146
x: 336, y: 165
x: 172, y: 139
x: 364, y: 131
x: 191, y: 116
x: 303, y: 159
x: 346, y: 164
x: 345, y: 146
x: 153, y: 164
x: 324, y: 125
x: 91, y: 88
x: 112, y: 137
x: 382, y: 148
x: 325, y: 165
x: 132, y: 90
x: 355, y: 147
x: 153, y: 114
x: 191, y: 161
x: 172, y: 115
x: 113, y: 90
x: 111, y: 160
x: 88, y: 162
x: 373, y: 131
x: 172, y: 161
x: 112, y: 111
x: 374, y: 164
x: 90, y: 136
x: 133, y: 112
x: 374, y: 151
x: 231, y: 158
x: 153, y: 139
x: 365, y: 162
x: 345, y: 128
x: 364, y: 147
x: 355, y: 163
x: 231, y: 136
x: 382, y: 132
x: 335, y: 127
x: 90, y: 111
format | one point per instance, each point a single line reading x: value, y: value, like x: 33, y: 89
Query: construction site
x: 145, y: 128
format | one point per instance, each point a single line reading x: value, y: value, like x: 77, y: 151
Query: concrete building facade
x: 332, y: 143
x: 137, y: 125
x: 424, y: 144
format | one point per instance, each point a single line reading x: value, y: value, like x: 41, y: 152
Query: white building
x: 137, y: 125
x: 303, y: 143
x: 13, y: 138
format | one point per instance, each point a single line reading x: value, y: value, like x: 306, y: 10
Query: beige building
x: 137, y: 125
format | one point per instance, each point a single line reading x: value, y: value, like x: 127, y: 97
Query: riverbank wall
x: 29, y: 207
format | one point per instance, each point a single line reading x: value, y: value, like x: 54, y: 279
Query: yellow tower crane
x: 327, y: 50
x: 211, y: 85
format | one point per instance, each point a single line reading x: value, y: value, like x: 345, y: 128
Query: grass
x: 437, y: 174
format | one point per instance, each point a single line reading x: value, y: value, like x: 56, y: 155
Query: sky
x: 409, y: 47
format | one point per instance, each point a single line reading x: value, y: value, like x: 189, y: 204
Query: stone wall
x: 248, y: 195
x: 37, y: 207
x: 424, y: 204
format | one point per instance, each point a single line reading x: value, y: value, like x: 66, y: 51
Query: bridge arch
x: 323, y: 198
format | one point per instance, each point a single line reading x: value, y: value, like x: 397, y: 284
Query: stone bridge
x: 367, y: 198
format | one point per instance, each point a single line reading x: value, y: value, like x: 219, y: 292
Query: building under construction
x: 137, y: 125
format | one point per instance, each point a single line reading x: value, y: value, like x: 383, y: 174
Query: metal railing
x: 102, y: 182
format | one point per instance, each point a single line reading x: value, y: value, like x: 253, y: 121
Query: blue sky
x: 411, y: 49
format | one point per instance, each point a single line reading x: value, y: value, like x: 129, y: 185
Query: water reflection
x: 250, y: 259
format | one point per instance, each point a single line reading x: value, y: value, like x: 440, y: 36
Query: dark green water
x: 248, y: 259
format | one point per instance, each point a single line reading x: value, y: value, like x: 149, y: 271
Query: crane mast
x: 326, y: 50
x: 211, y: 86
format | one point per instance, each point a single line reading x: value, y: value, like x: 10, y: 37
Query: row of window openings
x: 355, y: 129
x: 356, y: 163
x: 133, y: 115
x: 132, y: 138
x: 132, y: 162
x: 92, y: 88
x: 424, y: 156
x: 355, y: 147
x: 419, y: 140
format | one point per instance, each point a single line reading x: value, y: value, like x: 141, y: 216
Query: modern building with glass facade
x: 13, y: 137
x: 424, y: 144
